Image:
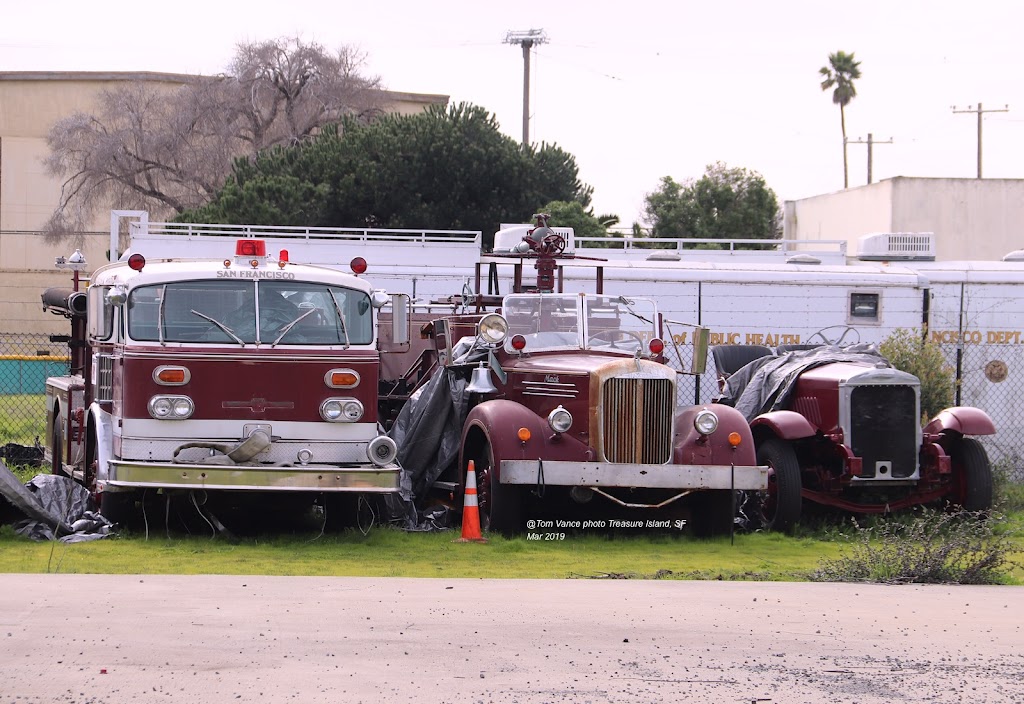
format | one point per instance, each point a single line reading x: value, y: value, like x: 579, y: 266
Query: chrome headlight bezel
x: 492, y: 329
x: 705, y: 422
x: 341, y: 410
x: 560, y: 420
x: 171, y: 407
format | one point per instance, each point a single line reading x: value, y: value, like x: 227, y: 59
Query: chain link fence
x: 26, y: 360
x: 991, y: 377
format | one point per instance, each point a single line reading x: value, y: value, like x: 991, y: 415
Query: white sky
x: 635, y: 89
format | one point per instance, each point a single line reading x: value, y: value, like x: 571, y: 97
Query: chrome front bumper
x: 254, y: 477
x: 648, y: 476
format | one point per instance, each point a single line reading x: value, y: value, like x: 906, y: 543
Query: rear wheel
x: 779, y: 506
x: 501, y: 508
x: 972, y: 476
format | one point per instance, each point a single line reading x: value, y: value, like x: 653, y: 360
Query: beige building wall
x: 30, y: 104
x: 980, y: 219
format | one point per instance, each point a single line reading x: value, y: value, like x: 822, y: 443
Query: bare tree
x: 165, y: 151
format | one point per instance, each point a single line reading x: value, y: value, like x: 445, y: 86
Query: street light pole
x: 980, y: 113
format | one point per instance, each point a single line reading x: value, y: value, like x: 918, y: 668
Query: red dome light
x: 518, y: 342
x: 136, y: 262
x: 358, y: 265
x: 656, y: 346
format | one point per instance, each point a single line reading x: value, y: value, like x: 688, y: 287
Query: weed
x: 932, y: 547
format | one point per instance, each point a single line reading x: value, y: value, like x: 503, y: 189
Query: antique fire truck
x: 567, y: 408
x: 840, y: 427
x: 214, y: 378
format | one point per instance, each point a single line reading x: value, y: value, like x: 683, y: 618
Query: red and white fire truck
x: 244, y: 374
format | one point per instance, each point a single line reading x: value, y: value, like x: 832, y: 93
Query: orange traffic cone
x: 471, y: 511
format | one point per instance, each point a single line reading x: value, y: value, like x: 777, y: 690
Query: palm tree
x: 841, y: 72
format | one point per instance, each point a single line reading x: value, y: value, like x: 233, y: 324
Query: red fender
x: 500, y: 421
x: 691, y: 448
x: 788, y: 425
x: 965, y: 420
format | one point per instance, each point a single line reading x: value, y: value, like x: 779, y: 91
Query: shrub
x: 910, y: 351
x: 932, y: 548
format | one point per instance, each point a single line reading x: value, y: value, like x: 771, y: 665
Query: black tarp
x: 54, y: 507
x: 766, y: 384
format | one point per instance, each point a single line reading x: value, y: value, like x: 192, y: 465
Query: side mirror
x: 400, y: 334
x: 701, y: 338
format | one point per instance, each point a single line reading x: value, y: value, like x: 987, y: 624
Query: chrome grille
x: 637, y: 422
x: 104, y: 377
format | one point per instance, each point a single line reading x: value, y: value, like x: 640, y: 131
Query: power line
x: 870, y: 141
x: 980, y: 112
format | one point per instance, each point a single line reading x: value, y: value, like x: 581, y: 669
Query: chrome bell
x: 481, y: 382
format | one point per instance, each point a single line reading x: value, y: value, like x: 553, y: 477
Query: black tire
x: 972, y: 476
x: 118, y: 507
x: 780, y: 505
x: 713, y: 513
x: 501, y: 505
x: 57, y: 448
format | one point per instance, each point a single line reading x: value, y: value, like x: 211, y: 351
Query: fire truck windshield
x: 574, y: 321
x: 246, y: 312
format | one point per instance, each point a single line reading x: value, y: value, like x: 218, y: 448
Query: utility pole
x: 870, y: 142
x: 980, y: 112
x: 527, y: 39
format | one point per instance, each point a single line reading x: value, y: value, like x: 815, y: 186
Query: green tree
x: 441, y: 169
x: 840, y: 74
x: 909, y: 351
x: 723, y: 203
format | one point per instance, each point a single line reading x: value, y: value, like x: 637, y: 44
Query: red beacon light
x: 283, y: 256
x: 250, y: 248
x: 358, y: 265
x: 518, y: 342
x: 136, y: 262
x: 656, y: 345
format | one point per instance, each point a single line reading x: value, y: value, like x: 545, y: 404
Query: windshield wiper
x: 287, y: 328
x: 219, y: 324
x: 344, y: 325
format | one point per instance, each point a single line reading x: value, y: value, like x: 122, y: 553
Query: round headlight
x: 560, y: 420
x: 352, y: 410
x: 706, y: 422
x: 182, y: 407
x: 330, y: 409
x: 160, y: 407
x: 492, y: 329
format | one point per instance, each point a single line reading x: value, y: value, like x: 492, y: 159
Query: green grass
x: 387, y: 552
x: 23, y: 418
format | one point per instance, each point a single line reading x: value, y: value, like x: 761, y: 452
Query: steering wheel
x: 620, y: 335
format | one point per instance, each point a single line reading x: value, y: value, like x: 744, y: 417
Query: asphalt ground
x: 109, y: 639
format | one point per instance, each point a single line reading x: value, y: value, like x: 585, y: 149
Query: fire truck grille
x: 883, y: 423
x: 637, y: 422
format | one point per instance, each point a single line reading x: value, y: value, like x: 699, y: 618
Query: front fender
x: 692, y: 448
x: 500, y: 420
x: 787, y: 425
x: 101, y: 429
x: 965, y: 420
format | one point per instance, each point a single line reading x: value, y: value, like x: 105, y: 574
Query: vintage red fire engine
x: 245, y: 375
x: 568, y: 401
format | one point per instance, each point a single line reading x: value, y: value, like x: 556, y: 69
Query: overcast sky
x: 636, y: 89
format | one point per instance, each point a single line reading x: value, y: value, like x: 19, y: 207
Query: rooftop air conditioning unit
x: 907, y: 246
